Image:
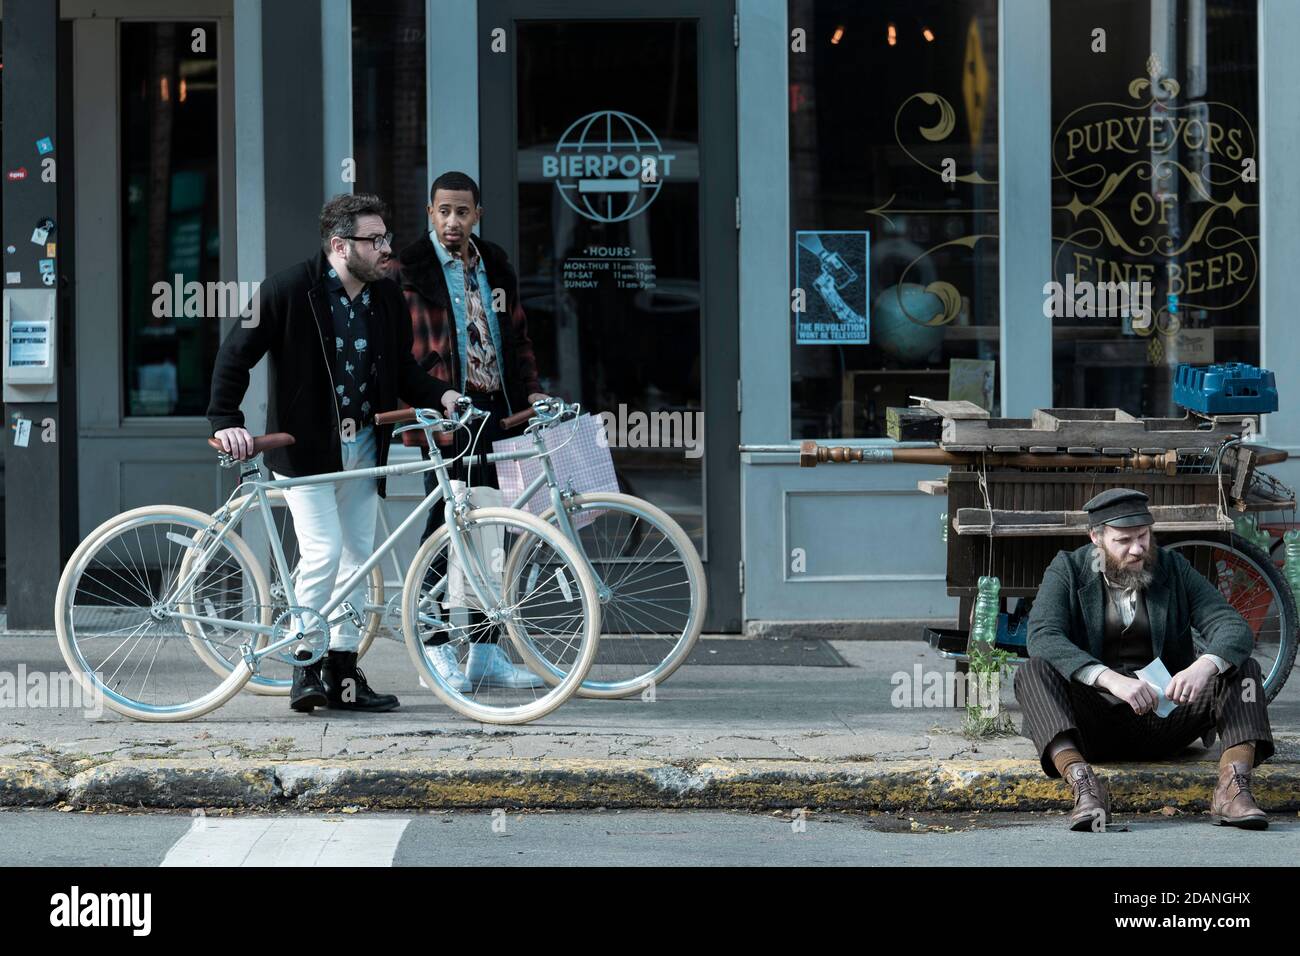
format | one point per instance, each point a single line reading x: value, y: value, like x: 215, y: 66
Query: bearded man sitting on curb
x: 1105, y: 611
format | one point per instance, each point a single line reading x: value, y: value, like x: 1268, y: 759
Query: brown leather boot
x: 1091, y: 799
x: 1233, y: 804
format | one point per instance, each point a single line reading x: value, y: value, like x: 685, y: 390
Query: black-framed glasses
x: 378, y: 241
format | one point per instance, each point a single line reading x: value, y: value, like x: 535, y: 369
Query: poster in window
x: 831, y: 285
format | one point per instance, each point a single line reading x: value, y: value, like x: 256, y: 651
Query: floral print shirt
x: 354, y: 361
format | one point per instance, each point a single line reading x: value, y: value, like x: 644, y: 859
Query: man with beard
x: 1105, y: 611
x: 339, y: 340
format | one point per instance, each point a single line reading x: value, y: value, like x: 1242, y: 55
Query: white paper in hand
x: 1158, y: 677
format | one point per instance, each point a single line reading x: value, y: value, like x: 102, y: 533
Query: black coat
x: 293, y: 324
x: 422, y: 273
x: 1068, y: 619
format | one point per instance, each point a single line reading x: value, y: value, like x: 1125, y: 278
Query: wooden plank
x: 1053, y: 417
x: 954, y: 410
x: 933, y: 486
x: 1265, y: 455
x: 975, y: 521
x: 967, y: 432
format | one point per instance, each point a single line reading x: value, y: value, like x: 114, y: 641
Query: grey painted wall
x: 34, y: 506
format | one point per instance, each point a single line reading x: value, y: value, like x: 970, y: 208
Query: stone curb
x: 917, y: 786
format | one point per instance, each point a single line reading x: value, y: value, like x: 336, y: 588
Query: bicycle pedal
x: 348, y: 613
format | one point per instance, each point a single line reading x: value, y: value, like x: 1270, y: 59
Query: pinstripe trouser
x: 1052, y: 705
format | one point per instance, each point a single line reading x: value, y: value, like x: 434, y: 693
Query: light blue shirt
x: 454, y: 271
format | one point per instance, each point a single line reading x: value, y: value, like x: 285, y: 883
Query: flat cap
x: 1118, y: 507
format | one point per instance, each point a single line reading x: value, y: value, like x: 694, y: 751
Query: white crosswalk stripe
x: 288, y: 841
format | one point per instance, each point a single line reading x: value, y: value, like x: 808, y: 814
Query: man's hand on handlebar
x: 236, y: 442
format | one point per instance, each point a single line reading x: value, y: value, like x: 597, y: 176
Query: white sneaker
x: 443, y: 658
x: 488, y: 666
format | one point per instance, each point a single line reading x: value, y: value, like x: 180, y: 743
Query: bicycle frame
x: 547, y: 478
x: 478, y: 579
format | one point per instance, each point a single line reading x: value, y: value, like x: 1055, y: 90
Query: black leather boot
x: 346, y: 687
x: 307, y: 691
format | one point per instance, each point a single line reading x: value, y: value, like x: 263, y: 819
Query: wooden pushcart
x: 1016, y: 489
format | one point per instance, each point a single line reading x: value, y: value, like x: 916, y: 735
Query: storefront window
x: 894, y: 196
x: 609, y: 167
x: 171, y: 223
x: 388, y: 111
x: 1155, y: 201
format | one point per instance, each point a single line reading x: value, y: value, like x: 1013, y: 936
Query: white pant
x: 335, y: 526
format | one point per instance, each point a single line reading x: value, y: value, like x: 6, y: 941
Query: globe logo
x: 608, y: 166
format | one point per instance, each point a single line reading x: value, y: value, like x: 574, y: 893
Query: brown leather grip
x: 399, y: 417
x: 261, y: 443
x: 518, y: 418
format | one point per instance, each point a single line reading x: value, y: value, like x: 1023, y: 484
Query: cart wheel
x: 1253, y: 584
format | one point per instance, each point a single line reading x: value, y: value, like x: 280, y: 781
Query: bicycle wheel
x: 652, y: 591
x: 275, y: 677
x: 1249, y: 580
x: 558, y: 611
x: 115, y: 613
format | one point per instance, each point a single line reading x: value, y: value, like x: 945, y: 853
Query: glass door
x: 608, y: 171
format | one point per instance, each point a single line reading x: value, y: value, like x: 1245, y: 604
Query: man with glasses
x: 339, y: 339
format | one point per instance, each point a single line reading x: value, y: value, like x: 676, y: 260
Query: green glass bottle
x: 986, y: 610
x: 1292, y: 566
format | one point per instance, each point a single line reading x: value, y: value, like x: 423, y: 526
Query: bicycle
x: 197, y: 607
x: 649, y: 577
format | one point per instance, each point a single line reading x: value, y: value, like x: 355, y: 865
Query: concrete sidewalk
x: 715, y: 736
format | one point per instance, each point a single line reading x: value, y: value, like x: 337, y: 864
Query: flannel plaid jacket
x: 433, y: 329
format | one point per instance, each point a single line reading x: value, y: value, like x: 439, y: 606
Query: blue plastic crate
x: 1015, y: 636
x: 1233, y: 388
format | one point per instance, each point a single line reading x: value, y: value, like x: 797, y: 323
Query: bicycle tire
x: 84, y: 673
x: 1289, y: 622
x: 559, y: 692
x: 697, y: 583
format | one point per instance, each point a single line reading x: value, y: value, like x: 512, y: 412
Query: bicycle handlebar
x: 518, y: 418
x: 555, y: 407
x: 398, y: 417
x: 261, y: 443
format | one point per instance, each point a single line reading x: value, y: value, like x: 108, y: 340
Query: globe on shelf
x: 898, y: 327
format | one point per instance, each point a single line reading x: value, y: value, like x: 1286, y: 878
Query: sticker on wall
x: 22, y: 432
x: 49, y: 249
x: 47, y: 271
x: 11, y: 249
x: 13, y: 278
x: 42, y: 231
x: 44, y: 145
x: 14, y: 175
x: 831, y: 282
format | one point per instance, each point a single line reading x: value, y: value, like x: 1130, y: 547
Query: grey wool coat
x: 1068, y: 615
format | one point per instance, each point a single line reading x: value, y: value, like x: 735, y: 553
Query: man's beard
x: 1130, y: 577
x: 365, y: 271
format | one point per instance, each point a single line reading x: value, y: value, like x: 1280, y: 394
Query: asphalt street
x: 630, y: 838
